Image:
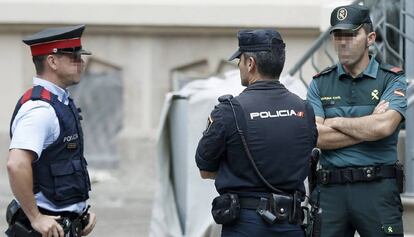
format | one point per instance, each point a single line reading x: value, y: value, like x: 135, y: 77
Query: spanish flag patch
x: 300, y: 114
x: 396, y: 69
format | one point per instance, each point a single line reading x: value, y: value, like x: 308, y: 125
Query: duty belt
x: 282, y: 206
x: 355, y: 174
x: 19, y: 224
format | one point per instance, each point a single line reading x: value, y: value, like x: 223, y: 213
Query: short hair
x: 269, y: 63
x: 368, y: 27
x: 39, y: 62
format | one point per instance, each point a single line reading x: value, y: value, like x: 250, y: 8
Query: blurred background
x: 144, y: 49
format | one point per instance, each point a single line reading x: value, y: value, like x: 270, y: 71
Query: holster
x: 20, y: 230
x: 11, y: 211
x: 19, y: 225
x: 313, y: 219
x: 400, y: 176
x: 313, y: 165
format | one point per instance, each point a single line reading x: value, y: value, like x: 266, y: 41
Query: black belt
x: 278, y: 207
x: 70, y: 215
x: 249, y: 202
x: 355, y: 174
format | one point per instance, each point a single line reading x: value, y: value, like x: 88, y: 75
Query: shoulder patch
x: 36, y: 93
x: 396, y: 69
x: 399, y: 93
x: 326, y: 70
x: 390, y: 68
x: 26, y: 96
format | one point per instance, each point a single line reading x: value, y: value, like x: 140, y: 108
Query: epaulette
x: 390, y: 68
x: 225, y: 98
x: 36, y: 93
x: 326, y: 70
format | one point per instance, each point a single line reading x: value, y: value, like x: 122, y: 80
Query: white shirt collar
x: 62, y: 94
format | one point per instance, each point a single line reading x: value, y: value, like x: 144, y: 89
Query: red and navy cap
x: 54, y: 40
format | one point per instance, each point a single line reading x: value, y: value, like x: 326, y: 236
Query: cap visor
x: 344, y: 27
x: 235, y: 55
x: 84, y: 52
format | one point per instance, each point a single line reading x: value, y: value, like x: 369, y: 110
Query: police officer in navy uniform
x: 359, y: 105
x: 47, y: 171
x: 280, y: 132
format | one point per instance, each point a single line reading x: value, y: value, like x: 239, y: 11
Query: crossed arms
x: 341, y: 132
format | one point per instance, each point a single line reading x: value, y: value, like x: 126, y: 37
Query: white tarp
x: 182, y: 201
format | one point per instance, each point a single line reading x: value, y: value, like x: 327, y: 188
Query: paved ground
x: 122, y: 198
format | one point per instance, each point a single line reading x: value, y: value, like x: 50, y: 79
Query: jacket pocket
x: 67, y: 177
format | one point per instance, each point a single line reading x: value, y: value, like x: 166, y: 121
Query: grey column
x: 409, y: 70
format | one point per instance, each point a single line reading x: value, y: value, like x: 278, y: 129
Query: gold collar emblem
x: 374, y: 95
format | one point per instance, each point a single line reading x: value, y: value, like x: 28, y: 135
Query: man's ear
x: 371, y: 38
x: 251, y: 64
x: 51, y: 62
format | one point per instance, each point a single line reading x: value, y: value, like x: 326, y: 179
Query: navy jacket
x: 280, y: 131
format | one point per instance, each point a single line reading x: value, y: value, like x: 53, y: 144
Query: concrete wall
x: 216, y: 13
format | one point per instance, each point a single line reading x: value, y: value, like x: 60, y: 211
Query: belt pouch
x: 226, y: 209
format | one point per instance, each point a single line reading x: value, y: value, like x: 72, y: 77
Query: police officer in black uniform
x: 265, y: 127
x: 47, y: 170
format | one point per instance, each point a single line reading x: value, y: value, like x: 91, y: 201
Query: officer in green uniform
x: 359, y: 105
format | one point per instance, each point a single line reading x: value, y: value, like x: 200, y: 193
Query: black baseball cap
x: 257, y: 40
x: 349, y: 17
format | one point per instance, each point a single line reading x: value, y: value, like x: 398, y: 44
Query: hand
x: 47, y: 226
x: 381, y: 107
x: 92, y: 222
